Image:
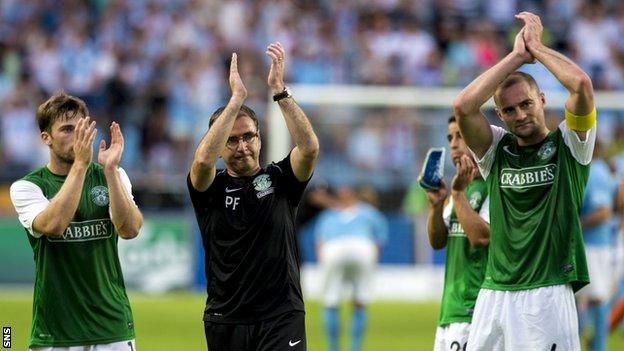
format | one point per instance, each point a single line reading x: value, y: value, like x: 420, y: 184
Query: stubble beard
x: 66, y: 158
x: 243, y: 167
x: 529, y: 135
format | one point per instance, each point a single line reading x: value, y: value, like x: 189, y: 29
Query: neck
x: 59, y: 167
x: 533, y: 139
x: 249, y: 173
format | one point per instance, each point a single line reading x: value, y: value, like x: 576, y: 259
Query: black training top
x: 248, y: 231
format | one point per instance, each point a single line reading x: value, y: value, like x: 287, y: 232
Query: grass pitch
x: 173, y: 322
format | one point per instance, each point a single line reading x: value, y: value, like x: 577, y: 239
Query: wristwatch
x: 284, y: 94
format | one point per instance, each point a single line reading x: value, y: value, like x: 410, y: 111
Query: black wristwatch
x: 284, y: 94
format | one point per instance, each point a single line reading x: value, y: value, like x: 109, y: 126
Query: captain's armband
x: 580, y: 123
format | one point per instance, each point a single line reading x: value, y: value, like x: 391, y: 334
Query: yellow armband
x: 580, y: 123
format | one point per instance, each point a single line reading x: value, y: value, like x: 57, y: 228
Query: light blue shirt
x: 362, y: 221
x: 600, y: 191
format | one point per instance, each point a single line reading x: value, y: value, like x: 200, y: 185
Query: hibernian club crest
x: 99, y: 195
x: 547, y: 150
x: 475, y: 199
x: 262, y: 182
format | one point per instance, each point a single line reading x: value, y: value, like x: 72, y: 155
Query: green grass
x: 173, y: 322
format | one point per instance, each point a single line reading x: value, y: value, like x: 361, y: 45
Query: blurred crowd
x: 159, y: 68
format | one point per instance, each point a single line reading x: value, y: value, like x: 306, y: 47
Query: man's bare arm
x: 436, y: 228
x: 203, y: 168
x: 303, y: 157
x: 477, y: 230
x: 570, y: 75
x: 473, y: 125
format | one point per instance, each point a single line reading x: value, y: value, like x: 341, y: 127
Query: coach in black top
x: 246, y: 214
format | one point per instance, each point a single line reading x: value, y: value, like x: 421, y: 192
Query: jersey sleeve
x: 484, y: 212
x: 202, y: 200
x: 486, y: 162
x: 446, y: 213
x: 289, y: 184
x: 125, y: 182
x: 582, y: 151
x: 29, y: 202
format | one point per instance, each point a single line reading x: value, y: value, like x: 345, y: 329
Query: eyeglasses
x: 232, y: 142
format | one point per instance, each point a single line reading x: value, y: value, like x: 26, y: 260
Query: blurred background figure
x: 349, y: 237
x: 615, y: 158
x: 616, y: 313
x: 596, y: 219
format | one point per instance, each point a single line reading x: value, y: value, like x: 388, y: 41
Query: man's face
x: 60, y: 139
x: 522, y: 110
x: 456, y: 143
x: 242, y: 150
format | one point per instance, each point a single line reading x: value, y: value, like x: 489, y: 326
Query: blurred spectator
x: 120, y: 54
x: 596, y: 219
x: 592, y: 36
x: 21, y: 148
x: 349, y: 238
x: 365, y: 147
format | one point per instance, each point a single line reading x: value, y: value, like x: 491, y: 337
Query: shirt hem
x: 577, y: 283
x: 445, y: 322
x: 66, y: 343
x: 251, y: 319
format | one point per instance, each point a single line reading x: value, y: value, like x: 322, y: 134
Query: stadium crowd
x: 158, y: 67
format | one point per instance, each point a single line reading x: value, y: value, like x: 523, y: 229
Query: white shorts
x: 347, y: 262
x: 452, y: 336
x: 601, y: 275
x: 525, y: 320
x: 128, y: 345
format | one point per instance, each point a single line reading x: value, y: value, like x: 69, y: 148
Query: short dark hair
x: 512, y: 79
x: 59, y: 106
x: 244, y: 111
x: 452, y: 119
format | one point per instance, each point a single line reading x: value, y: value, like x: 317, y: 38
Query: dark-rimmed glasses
x: 232, y: 142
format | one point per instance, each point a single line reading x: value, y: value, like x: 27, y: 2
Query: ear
x: 498, y: 114
x: 542, y: 98
x: 46, y: 138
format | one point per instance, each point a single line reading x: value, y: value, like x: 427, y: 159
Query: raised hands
x: 236, y: 83
x: 532, y: 30
x: 521, y: 49
x: 83, y: 140
x: 466, y: 172
x: 109, y: 158
x: 276, y: 73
